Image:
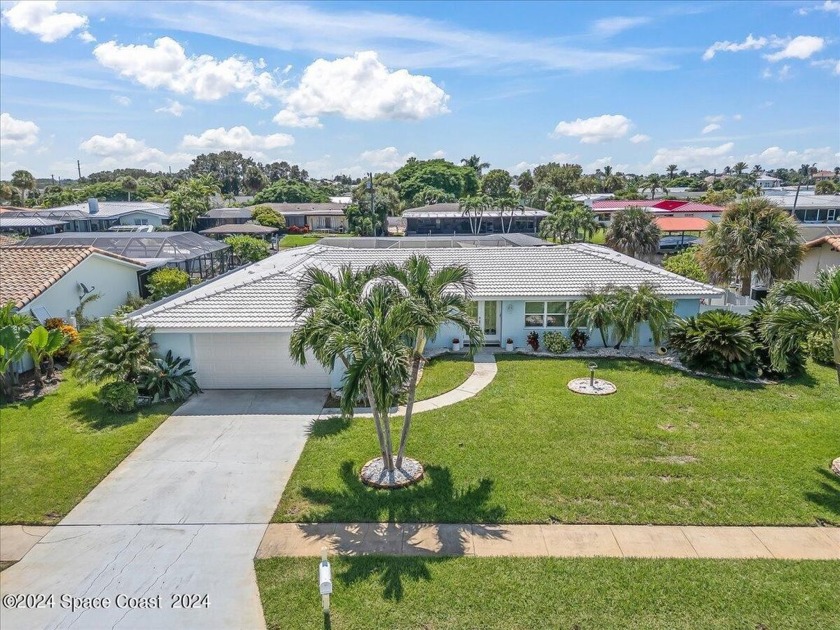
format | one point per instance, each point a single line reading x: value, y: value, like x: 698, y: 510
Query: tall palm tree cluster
x: 473, y: 207
x: 374, y: 323
x: 569, y: 221
x: 190, y: 200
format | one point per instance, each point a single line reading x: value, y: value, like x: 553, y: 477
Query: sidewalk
x: 620, y: 541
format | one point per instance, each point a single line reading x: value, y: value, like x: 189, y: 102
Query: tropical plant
x: 556, y: 342
x: 740, y: 167
x: 533, y: 340
x: 672, y: 169
x: 118, y: 396
x: 633, y: 307
x: 24, y: 182
x: 82, y: 321
x: 819, y: 348
x: 190, y: 200
x: 825, y: 187
x: 474, y: 162
x: 437, y: 297
x: 715, y: 341
x: 653, y: 183
x: 473, y: 208
x: 595, y: 311
x: 579, y: 338
x: 685, y: 264
x: 248, y: 249
x: 129, y: 185
x: 634, y: 232
x: 70, y: 332
x: 265, y: 215
x: 795, y: 360
x: 14, y: 330
x: 167, y: 281
x: 132, y: 303
x: 754, y: 236
x: 801, y: 309
x: 42, y: 344
x: 113, y: 349
x: 169, y: 378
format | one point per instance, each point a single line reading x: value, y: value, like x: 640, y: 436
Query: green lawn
x: 55, y: 449
x: 443, y: 374
x: 668, y: 448
x: 389, y: 592
x: 298, y: 240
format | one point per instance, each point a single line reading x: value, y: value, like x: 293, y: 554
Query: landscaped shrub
x: 794, y: 357
x: 294, y: 229
x: 248, y: 249
x: 819, y: 348
x: 170, y: 378
x: 119, y: 396
x: 579, y: 338
x: 167, y: 281
x: 72, y: 335
x: 268, y: 217
x: 132, y: 303
x: 716, y: 341
x: 534, y: 340
x: 686, y: 264
x: 113, y: 349
x: 557, y: 342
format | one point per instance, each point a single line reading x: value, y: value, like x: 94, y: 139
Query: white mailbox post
x: 325, y: 580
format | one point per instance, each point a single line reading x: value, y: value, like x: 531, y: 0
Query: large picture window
x: 547, y: 314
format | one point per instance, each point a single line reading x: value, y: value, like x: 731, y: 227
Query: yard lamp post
x: 325, y: 581
x: 592, y: 368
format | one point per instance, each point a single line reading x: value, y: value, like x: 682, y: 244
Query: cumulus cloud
x: 800, y: 47
x: 829, y: 6
x: 607, y: 27
x: 362, y: 88
x: 387, y: 159
x: 600, y: 163
x: 692, y: 157
x: 42, y: 19
x: 831, y: 64
x: 639, y: 138
x: 17, y: 134
x: 774, y: 157
x: 121, y: 150
x: 288, y: 118
x: 439, y: 154
x: 122, y: 100
x: 595, y: 129
x: 172, y: 107
x: 750, y: 43
x: 710, y: 128
x: 237, y: 138
x: 166, y: 65
x: 86, y: 37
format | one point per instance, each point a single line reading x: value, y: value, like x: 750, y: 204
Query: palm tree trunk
x: 746, y: 284
x: 50, y: 366
x: 39, y: 381
x: 376, y: 421
x: 603, y: 336
x: 835, y: 343
x: 389, y: 450
x: 409, y: 407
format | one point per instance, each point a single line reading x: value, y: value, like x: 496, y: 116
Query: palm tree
x: 672, y: 169
x: 608, y: 170
x: 634, y: 232
x: 800, y: 308
x: 14, y: 331
x: 554, y: 226
x: 24, y: 182
x: 113, y: 349
x: 438, y: 297
x: 129, y: 185
x: 509, y: 203
x: 754, y: 236
x: 583, y: 221
x: 475, y: 163
x: 740, y: 167
x: 41, y: 344
x: 645, y: 304
x: 653, y: 183
x: 595, y: 310
x: 473, y: 208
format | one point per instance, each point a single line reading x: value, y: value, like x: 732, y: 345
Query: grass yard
x: 443, y: 374
x: 389, y: 592
x: 298, y: 240
x: 55, y: 449
x: 668, y: 448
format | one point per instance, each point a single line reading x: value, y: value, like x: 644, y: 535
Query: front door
x: 488, y: 315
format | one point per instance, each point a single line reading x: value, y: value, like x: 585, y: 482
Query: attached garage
x: 233, y: 360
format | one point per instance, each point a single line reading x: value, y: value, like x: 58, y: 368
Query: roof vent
x: 93, y: 205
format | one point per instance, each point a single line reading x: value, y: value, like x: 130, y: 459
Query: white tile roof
x: 262, y: 295
x: 108, y: 209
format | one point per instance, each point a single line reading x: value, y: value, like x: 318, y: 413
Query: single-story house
x: 823, y: 176
x: 320, y: 217
x: 605, y: 208
x: 236, y: 328
x: 224, y: 216
x: 765, y: 181
x: 246, y: 229
x: 30, y: 226
x: 810, y: 208
x: 98, y: 216
x: 821, y: 253
x: 449, y: 218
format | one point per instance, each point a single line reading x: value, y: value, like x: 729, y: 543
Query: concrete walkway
x: 619, y: 541
x: 484, y: 371
x: 182, y: 515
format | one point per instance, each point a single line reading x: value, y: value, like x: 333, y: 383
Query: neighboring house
x: 821, y: 253
x: 30, y: 226
x: 823, y: 175
x: 236, y: 328
x: 664, y: 208
x: 449, y: 218
x: 319, y: 217
x: 765, y: 181
x: 224, y: 216
x: 98, y: 216
x: 810, y: 208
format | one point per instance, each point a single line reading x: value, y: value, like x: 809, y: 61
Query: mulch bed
x: 25, y: 389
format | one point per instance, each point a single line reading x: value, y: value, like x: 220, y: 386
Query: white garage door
x: 252, y: 361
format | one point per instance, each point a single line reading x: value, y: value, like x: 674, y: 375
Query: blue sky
x: 350, y: 87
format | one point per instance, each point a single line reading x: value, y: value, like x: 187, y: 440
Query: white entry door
x: 489, y: 317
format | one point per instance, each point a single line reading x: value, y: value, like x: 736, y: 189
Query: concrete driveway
x: 182, y: 515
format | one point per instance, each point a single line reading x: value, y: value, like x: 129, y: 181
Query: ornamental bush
x: 248, y: 249
x: 716, y: 341
x: 167, y: 281
x: 119, y: 396
x: 819, y: 348
x: 72, y: 335
x: 264, y: 215
x: 556, y: 342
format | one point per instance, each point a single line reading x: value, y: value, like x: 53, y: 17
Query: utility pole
x: 79, y: 167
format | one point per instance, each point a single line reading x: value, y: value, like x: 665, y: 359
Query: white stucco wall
x: 132, y: 217
x: 816, y: 259
x: 113, y: 281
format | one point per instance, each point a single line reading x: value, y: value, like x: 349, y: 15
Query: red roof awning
x: 682, y: 224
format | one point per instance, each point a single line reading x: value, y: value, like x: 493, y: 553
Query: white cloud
x: 737, y: 117
x: 831, y: 64
x: 774, y: 157
x: 607, y: 27
x: 692, y: 158
x: 172, y: 107
x: 237, y: 138
x: 710, y: 128
x: 17, y: 134
x: 166, y: 65
x: 563, y: 158
x: 800, y: 47
x: 123, y: 151
x: 829, y: 6
x: 595, y: 129
x: 387, y: 159
x: 439, y: 154
x: 521, y: 167
x: 122, y: 100
x: 715, y: 119
x: 362, y: 88
x: 750, y: 43
x: 86, y: 37
x: 639, y: 138
x: 41, y: 19
x: 288, y: 118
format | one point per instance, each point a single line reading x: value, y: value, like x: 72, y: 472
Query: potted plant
x: 509, y: 345
x: 534, y: 340
x: 580, y: 338
x: 456, y: 345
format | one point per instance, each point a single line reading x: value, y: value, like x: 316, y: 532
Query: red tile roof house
x: 661, y: 208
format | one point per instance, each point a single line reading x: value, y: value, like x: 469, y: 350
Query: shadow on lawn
x: 329, y: 426
x: 829, y: 495
x: 92, y: 414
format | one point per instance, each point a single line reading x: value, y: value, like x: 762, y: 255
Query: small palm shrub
x: 170, y: 378
x: 716, y: 341
x: 113, y: 349
x: 556, y: 341
x: 818, y: 346
x: 119, y: 396
x: 794, y: 356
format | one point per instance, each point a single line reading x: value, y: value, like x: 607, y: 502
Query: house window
x: 472, y: 311
x: 141, y: 222
x: 547, y: 314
